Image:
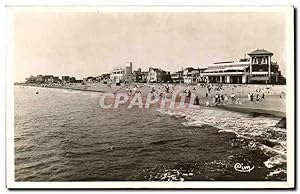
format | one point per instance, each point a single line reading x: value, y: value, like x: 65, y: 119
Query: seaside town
x: 250, y: 79
x: 258, y: 68
x: 251, y: 85
x: 133, y: 96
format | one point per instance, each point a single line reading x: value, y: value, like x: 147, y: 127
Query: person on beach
x: 153, y: 90
x: 207, y: 103
x: 232, y: 97
x: 137, y: 90
x: 257, y: 98
x: 206, y: 95
x: 249, y: 97
x: 167, y: 89
x: 196, y: 102
x: 226, y: 98
x: 237, y: 100
x: 188, y: 93
x: 222, y: 98
x: 134, y: 88
x: 215, y: 99
x: 263, y: 96
x: 219, y: 99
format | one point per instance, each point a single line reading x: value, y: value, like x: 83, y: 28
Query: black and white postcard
x: 150, y: 97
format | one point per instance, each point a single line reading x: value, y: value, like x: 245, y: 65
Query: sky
x: 83, y: 44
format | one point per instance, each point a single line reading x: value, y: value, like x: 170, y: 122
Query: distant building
x: 157, y: 75
x: 145, y: 76
x: 122, y: 74
x: 30, y: 79
x: 65, y: 79
x: 90, y: 79
x: 103, y: 78
x: 48, y: 79
x: 72, y: 79
x: 56, y: 79
x: 39, y: 79
x: 140, y: 76
x: 259, y: 68
x: 78, y: 81
x: 177, y: 77
x: 191, y: 75
x: 201, y: 78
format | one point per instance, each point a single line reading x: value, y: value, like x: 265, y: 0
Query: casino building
x: 258, y: 68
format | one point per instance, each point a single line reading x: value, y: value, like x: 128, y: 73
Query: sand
x: 272, y: 104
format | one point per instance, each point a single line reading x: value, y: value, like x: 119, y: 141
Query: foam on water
x: 261, y: 130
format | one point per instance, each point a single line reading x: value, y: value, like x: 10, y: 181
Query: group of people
x: 161, y: 90
x: 221, y: 97
x: 257, y: 97
x: 136, y: 89
x: 215, y: 94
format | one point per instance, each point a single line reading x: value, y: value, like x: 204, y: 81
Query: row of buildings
x: 258, y: 67
x: 52, y: 79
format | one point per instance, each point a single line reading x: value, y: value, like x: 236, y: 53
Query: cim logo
x: 241, y: 168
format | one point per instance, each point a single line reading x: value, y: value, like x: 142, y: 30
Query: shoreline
x: 256, y: 110
x: 64, y: 88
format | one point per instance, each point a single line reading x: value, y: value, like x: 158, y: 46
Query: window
x: 255, y: 60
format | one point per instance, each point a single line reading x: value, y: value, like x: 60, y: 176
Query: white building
x: 122, y: 74
x: 227, y: 72
x: 157, y: 75
x: 191, y: 75
x: 259, y: 68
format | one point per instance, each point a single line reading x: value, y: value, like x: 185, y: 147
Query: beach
x: 70, y: 138
x: 272, y: 104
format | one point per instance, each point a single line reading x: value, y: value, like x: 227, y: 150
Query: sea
x: 64, y: 135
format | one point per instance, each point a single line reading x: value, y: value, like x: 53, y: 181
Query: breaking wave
x: 260, y: 131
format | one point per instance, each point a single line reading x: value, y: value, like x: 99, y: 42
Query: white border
x: 190, y: 184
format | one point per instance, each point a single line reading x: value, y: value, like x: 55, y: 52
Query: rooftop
x: 260, y: 52
x: 189, y: 69
x: 157, y: 69
x: 221, y: 62
x: 228, y: 66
